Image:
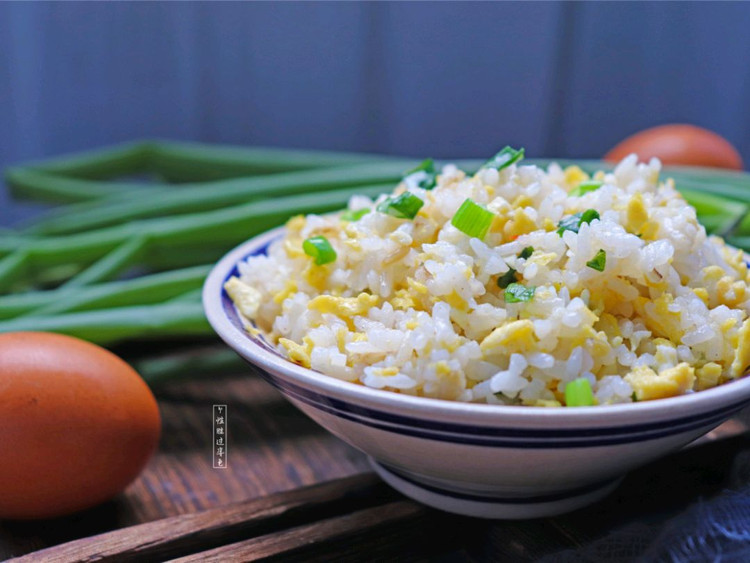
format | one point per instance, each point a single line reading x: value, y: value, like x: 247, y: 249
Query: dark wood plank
x: 199, y: 531
x: 360, y: 526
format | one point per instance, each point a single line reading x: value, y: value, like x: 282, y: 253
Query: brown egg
x: 77, y: 425
x: 679, y: 144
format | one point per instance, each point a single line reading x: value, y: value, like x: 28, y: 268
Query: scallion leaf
x: 504, y: 158
x: 578, y: 393
x: 319, y: 249
x: 423, y: 176
x: 473, y: 219
x: 404, y: 206
x: 574, y: 222
x: 353, y: 215
x: 526, y: 252
x: 599, y: 261
x: 506, y: 279
x: 585, y: 187
x: 569, y: 223
x: 517, y: 293
x: 588, y: 216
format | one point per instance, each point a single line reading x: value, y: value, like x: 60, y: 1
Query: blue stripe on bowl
x: 493, y: 437
x: 537, y: 499
x: 468, y: 434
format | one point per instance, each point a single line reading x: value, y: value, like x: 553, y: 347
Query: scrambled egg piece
x: 449, y: 384
x: 317, y: 276
x: 403, y: 300
x: 344, y: 307
x: 293, y: 248
x: 414, y: 285
x: 298, y: 353
x: 742, y: 355
x: 296, y: 224
x: 523, y: 200
x: 637, y: 214
x: 293, y: 242
x: 707, y: 376
x: 519, y: 225
x: 608, y: 323
x: 574, y: 176
x: 289, y: 289
x: 456, y: 301
x: 670, y: 382
x: 515, y: 336
x: 736, y: 259
x: 549, y: 225
x: 730, y: 292
x: 543, y: 258
x: 658, y: 318
x: 702, y: 294
x: 246, y: 298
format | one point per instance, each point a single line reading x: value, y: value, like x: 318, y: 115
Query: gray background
x: 422, y: 79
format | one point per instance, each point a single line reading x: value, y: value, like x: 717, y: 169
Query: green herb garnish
x: 526, y: 252
x: 423, y: 176
x: 517, y: 293
x: 354, y: 215
x: 506, y: 279
x: 574, y: 222
x: 320, y: 249
x: 585, y: 187
x: 599, y: 261
x: 404, y: 206
x: 578, y: 393
x: 473, y: 219
x: 504, y: 158
x: 588, y: 216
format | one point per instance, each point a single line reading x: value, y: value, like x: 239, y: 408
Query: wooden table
x: 273, y: 447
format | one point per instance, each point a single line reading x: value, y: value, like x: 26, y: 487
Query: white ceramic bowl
x: 477, y: 459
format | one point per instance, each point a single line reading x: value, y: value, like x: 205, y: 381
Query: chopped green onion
x: 504, y: 158
x: 526, y: 252
x: 569, y: 223
x: 585, y: 187
x: 588, y: 216
x: 599, y: 261
x: 352, y: 215
x: 574, y: 222
x: 578, y: 393
x: 517, y: 293
x: 404, y: 206
x: 634, y: 397
x: 320, y: 249
x: 423, y: 176
x: 473, y: 219
x: 506, y: 279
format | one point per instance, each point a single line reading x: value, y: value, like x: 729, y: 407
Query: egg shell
x: 77, y: 425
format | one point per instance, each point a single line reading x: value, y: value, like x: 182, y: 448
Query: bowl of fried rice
x: 505, y: 343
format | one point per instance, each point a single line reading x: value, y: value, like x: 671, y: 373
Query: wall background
x: 419, y: 79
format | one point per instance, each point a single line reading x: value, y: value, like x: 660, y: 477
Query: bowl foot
x: 489, y: 506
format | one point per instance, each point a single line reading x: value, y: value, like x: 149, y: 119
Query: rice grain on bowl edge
x: 514, y: 286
